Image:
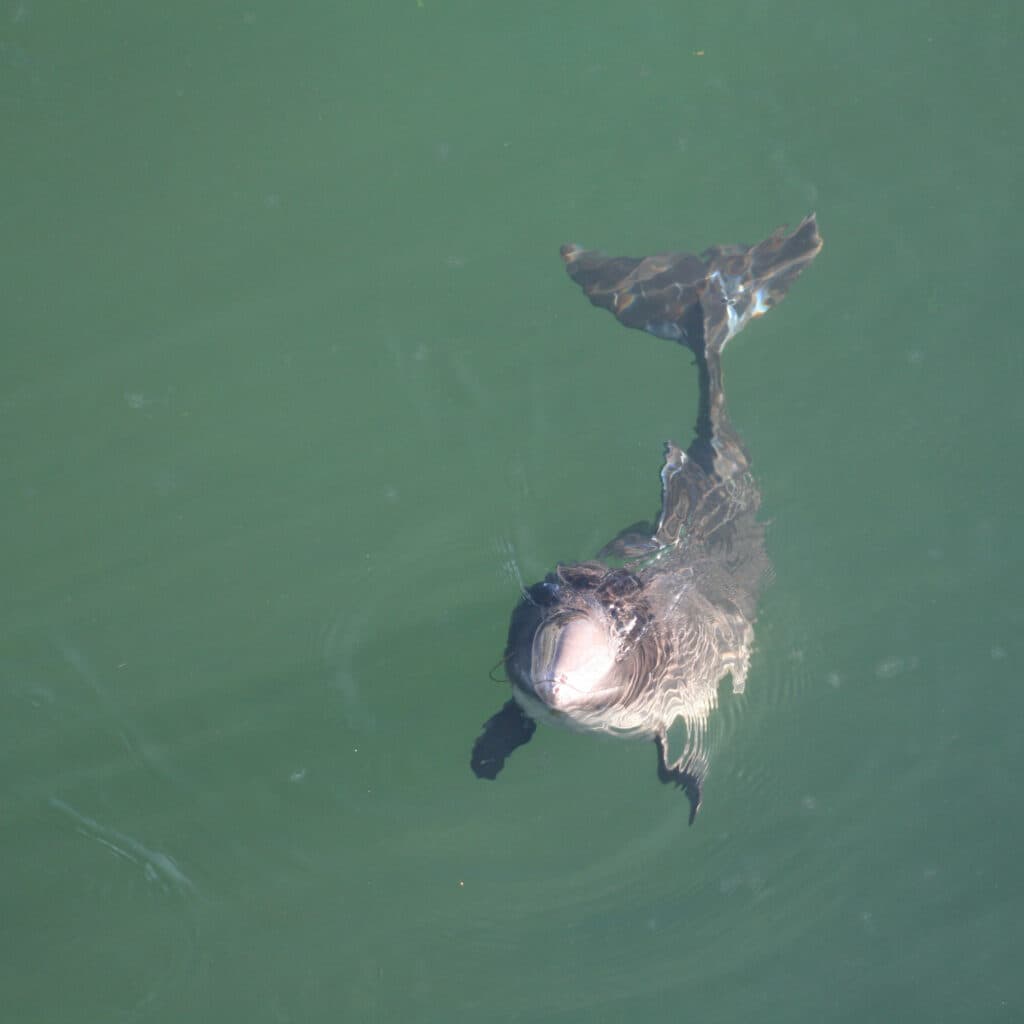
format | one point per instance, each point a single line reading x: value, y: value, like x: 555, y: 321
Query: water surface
x: 294, y: 394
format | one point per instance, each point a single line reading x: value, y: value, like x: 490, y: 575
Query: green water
x: 294, y: 392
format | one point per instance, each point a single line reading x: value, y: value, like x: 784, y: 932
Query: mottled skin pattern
x: 632, y: 642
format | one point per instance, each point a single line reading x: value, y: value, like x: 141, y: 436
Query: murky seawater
x: 295, y: 396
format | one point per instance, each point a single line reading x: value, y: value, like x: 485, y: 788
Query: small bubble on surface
x: 891, y: 667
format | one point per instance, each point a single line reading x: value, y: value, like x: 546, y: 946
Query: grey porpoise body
x: 632, y: 642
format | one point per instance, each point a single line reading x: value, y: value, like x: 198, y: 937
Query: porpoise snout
x: 571, y: 659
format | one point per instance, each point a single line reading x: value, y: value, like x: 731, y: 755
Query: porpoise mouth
x: 572, y: 661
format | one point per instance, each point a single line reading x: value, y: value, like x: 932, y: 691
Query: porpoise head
x: 574, y: 639
x: 571, y: 661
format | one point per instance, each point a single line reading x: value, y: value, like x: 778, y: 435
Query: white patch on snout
x: 577, y: 666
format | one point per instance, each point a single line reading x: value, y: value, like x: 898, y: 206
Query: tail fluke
x: 699, y: 301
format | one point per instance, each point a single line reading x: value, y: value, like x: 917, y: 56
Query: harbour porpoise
x: 641, y: 636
